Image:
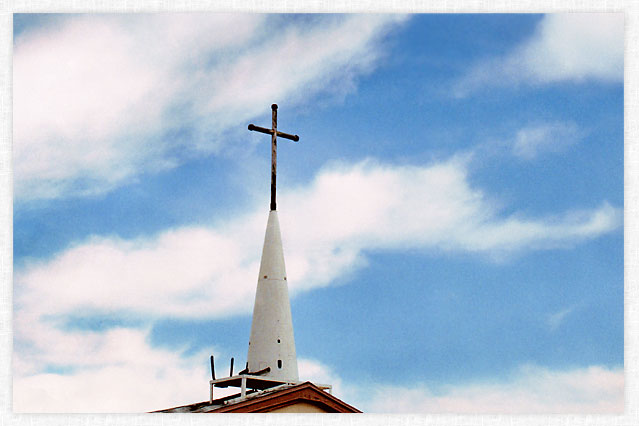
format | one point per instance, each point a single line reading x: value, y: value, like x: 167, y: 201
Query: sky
x: 452, y: 216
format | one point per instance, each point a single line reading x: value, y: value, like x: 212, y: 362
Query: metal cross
x: 274, y: 134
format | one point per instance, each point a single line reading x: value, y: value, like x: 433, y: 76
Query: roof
x: 275, y: 399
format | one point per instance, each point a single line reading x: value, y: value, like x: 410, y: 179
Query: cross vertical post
x: 274, y: 134
x: 273, y: 156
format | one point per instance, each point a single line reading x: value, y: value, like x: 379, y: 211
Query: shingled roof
x: 303, y: 397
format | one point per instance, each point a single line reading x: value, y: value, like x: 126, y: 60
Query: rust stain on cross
x: 274, y: 134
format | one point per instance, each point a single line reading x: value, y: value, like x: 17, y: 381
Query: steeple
x: 271, y: 359
x: 272, y: 344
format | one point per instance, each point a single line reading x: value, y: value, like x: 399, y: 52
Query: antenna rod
x: 212, y: 368
x: 231, y: 375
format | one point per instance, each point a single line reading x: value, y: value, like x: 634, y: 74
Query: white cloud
x: 96, y: 96
x: 118, y: 371
x: 128, y: 375
x: 576, y: 46
x: 531, y: 390
x: 134, y: 377
x: 565, y: 47
x: 327, y: 226
x: 195, y: 270
x: 316, y: 372
x: 114, y: 371
x: 532, y: 140
x: 374, y: 206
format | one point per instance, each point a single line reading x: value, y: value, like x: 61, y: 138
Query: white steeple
x: 272, y: 343
x: 271, y: 359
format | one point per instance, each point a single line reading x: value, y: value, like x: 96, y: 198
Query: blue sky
x: 452, y: 216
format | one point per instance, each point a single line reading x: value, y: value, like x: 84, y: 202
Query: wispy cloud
x: 530, y: 390
x: 100, y: 99
x: 533, y: 140
x: 565, y: 47
x: 555, y: 319
x: 389, y: 208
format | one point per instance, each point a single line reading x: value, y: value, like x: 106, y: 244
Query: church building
x: 270, y: 380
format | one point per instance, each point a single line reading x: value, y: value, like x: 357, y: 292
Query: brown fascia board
x: 306, y: 392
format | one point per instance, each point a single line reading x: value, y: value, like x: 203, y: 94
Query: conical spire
x: 272, y: 343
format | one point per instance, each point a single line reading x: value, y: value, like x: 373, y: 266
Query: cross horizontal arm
x: 260, y: 129
x: 294, y: 138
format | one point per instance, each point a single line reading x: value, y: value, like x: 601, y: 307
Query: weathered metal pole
x: 273, y: 156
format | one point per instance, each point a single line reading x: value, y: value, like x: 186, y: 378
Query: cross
x: 274, y: 134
